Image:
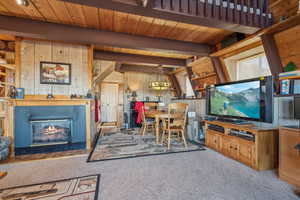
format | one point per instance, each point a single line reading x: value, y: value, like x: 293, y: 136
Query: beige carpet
x: 200, y: 175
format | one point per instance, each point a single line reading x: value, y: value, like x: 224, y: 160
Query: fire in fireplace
x: 50, y: 132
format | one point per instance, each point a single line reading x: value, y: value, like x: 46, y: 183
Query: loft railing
x: 246, y: 12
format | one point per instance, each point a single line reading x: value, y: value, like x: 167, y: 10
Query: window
x: 252, y: 67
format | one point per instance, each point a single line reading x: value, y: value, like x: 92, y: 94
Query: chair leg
x: 169, y: 139
x: 142, y: 129
x: 183, y: 138
x: 163, y: 137
x: 145, y: 129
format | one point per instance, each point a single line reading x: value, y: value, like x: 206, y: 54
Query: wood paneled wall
x: 285, y: 8
x: 33, y: 52
x: 202, y: 68
x: 139, y: 82
x: 288, y: 43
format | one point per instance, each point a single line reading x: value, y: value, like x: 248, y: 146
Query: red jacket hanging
x: 139, y: 108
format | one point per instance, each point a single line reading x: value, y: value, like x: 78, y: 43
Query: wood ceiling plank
x: 167, y: 28
x: 33, y: 12
x: 45, y: 10
x: 106, y: 19
x: 13, y: 8
x: 4, y: 10
x: 61, y: 11
x: 76, y: 13
x: 120, y: 21
x: 132, y: 23
x: 156, y: 27
x: 91, y: 16
x: 144, y: 26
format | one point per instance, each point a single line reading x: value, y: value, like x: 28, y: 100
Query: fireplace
x: 50, y: 132
x: 46, y: 129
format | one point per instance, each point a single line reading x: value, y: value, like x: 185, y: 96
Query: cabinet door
x: 213, y: 140
x: 233, y: 148
x: 289, y: 157
x: 246, y: 152
x: 209, y: 140
x: 225, y: 144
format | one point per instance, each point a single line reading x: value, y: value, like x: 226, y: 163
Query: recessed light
x: 23, y: 2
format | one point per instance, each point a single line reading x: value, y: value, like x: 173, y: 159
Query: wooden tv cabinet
x: 261, y: 153
x: 289, y: 156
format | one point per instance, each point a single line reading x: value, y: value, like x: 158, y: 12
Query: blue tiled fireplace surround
x: 22, y: 127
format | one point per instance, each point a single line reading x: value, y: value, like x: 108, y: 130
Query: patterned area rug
x: 128, y: 144
x: 80, y: 188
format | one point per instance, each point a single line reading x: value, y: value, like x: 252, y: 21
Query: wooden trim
x: 44, y: 30
x: 242, y: 49
x: 190, y: 73
x: 272, y: 54
x: 43, y: 97
x: 219, y: 69
x: 18, y: 61
x: 175, y: 84
x: 88, y: 124
x: 178, y: 70
x: 47, y: 102
x: 143, y: 69
x: 133, y: 58
x: 104, y: 74
x: 90, y: 65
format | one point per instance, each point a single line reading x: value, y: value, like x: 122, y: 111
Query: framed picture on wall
x: 55, y: 73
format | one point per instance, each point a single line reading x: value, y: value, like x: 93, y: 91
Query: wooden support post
x: 272, y: 54
x: 219, y: 69
x: 18, y: 61
x: 90, y: 65
x: 175, y: 84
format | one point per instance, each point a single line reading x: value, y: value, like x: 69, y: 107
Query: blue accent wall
x: 23, y: 115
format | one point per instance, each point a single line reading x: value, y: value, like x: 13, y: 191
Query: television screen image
x: 237, y: 100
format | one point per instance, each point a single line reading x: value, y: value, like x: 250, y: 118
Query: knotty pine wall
x: 33, y: 52
x: 285, y: 8
x: 288, y: 43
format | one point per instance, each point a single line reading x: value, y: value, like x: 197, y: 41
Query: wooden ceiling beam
x: 67, y: 33
x: 272, y: 54
x: 143, y: 69
x: 134, y: 58
x: 148, y: 11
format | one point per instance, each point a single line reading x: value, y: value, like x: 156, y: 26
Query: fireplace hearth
x: 50, y: 132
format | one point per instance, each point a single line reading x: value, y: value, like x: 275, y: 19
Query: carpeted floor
x: 199, y: 175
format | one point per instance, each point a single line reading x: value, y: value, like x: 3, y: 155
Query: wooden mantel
x: 88, y: 103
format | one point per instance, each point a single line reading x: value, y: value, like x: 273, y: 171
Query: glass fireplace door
x: 50, y: 132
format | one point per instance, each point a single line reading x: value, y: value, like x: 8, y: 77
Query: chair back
x: 180, y: 109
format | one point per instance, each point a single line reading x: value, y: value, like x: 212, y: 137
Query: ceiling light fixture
x: 23, y: 2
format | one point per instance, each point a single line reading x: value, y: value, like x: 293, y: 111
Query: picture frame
x: 55, y: 73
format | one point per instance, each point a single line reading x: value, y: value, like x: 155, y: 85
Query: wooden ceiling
x: 66, y: 13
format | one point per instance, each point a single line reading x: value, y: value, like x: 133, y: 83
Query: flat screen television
x: 248, y: 99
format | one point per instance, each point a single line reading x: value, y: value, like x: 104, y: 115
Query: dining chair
x: 147, y: 123
x: 175, y: 123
